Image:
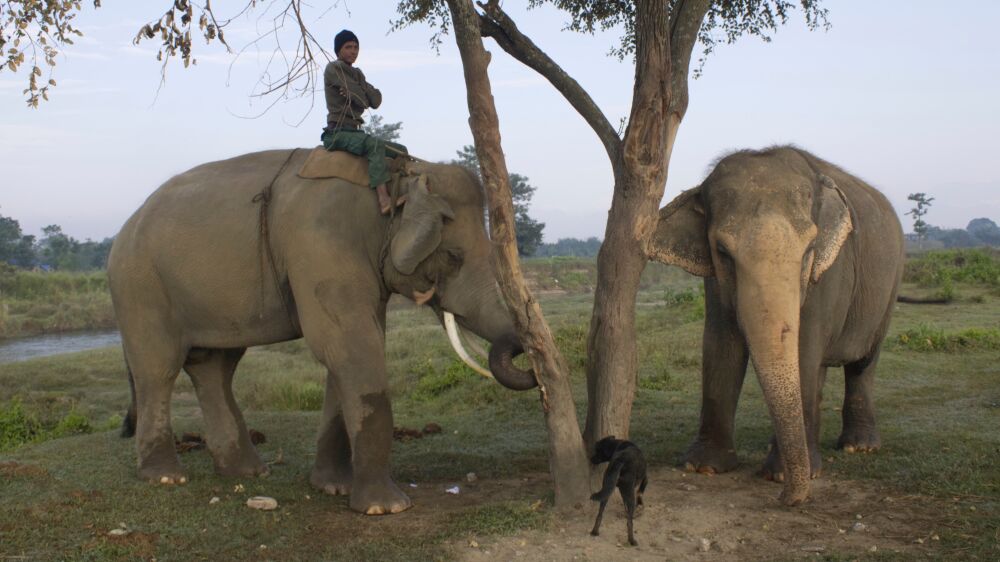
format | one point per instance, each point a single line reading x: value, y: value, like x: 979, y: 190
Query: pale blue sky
x: 901, y: 92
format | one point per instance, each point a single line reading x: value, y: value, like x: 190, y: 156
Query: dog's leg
x: 610, y: 479
x: 627, y: 490
x: 597, y: 522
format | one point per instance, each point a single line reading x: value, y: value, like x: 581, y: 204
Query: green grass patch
x: 926, y: 337
x: 434, y: 381
x: 501, y: 519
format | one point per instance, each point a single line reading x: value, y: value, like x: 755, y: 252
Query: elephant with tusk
x: 202, y: 271
x: 802, y: 262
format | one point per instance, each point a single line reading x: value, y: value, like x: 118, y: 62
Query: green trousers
x: 362, y: 144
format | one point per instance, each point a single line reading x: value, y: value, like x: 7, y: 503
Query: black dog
x: 627, y: 470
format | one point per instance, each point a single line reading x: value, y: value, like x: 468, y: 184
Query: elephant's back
x: 198, y: 216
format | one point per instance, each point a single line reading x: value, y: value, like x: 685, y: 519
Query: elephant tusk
x: 422, y: 298
x: 452, y: 329
x: 470, y: 340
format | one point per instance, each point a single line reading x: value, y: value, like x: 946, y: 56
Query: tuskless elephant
x: 802, y: 262
x: 197, y: 276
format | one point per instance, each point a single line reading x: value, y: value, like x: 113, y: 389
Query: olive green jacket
x: 346, y: 111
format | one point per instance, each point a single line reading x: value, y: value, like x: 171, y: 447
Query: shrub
x: 940, y: 268
x: 17, y: 426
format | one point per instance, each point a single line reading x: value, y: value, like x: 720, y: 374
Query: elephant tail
x: 128, y: 424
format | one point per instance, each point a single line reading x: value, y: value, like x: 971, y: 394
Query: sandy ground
x: 733, y: 516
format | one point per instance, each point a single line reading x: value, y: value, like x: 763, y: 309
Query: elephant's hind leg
x: 333, y: 473
x: 155, y: 365
x: 860, y: 432
x: 211, y: 371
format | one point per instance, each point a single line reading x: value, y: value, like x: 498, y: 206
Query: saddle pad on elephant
x: 322, y: 163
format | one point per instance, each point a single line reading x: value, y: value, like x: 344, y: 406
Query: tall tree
x: 923, y: 204
x: 528, y: 230
x: 57, y: 249
x: 661, y: 36
x: 378, y: 128
x: 567, y: 459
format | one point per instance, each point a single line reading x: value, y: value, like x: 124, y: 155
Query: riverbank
x: 34, y: 303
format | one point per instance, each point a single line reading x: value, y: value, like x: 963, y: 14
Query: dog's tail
x: 611, y: 475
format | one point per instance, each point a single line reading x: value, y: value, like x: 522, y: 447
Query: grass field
x: 67, y: 479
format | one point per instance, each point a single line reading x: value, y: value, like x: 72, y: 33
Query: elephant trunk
x: 502, y: 354
x: 480, y: 310
x: 769, y: 315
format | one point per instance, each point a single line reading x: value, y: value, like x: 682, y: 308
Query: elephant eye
x: 456, y: 256
x: 723, y: 252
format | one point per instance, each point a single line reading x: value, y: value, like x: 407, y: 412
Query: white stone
x: 263, y: 503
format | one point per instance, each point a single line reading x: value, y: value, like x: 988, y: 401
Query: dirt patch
x: 15, y: 469
x: 733, y: 516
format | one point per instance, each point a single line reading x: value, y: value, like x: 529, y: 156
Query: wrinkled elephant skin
x: 194, y: 283
x: 802, y: 262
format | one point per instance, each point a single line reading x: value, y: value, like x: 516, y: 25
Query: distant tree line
x: 979, y: 232
x: 570, y: 247
x: 54, y: 250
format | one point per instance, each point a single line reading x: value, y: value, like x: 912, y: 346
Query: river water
x: 19, y: 349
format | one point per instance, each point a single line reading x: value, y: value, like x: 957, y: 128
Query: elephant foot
x: 792, y: 498
x: 859, y: 440
x: 708, y: 458
x: 161, y: 466
x: 379, y: 498
x: 332, y: 481
x: 165, y: 475
x: 774, y: 467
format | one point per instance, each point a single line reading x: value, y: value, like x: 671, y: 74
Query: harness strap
x: 264, y: 249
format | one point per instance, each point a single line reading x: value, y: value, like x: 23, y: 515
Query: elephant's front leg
x: 333, y: 472
x: 345, y: 329
x: 724, y: 364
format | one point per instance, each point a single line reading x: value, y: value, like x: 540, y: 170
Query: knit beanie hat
x: 343, y: 37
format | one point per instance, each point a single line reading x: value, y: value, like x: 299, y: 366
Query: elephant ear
x: 834, y: 224
x: 420, y: 227
x: 681, y: 236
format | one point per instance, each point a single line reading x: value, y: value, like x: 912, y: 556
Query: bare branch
x: 497, y: 24
x: 686, y: 18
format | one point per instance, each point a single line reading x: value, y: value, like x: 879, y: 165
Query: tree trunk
x: 640, y: 179
x: 567, y: 456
